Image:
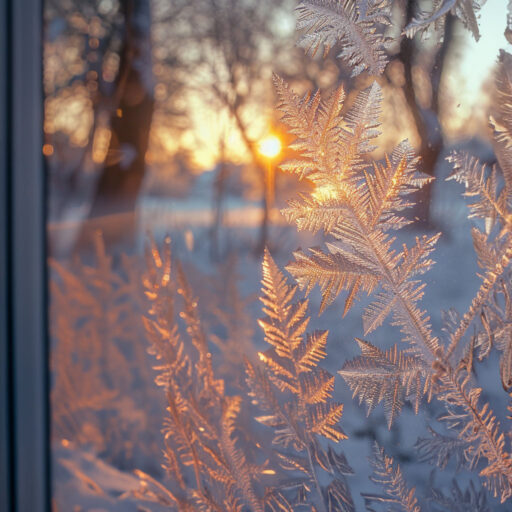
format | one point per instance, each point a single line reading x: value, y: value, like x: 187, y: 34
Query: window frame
x: 24, y: 369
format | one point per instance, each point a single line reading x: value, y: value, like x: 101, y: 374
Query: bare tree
x: 238, y: 50
x: 130, y: 123
x: 426, y: 121
x: 113, y: 63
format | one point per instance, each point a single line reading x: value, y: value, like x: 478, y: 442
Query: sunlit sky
x: 474, y: 60
x: 479, y: 57
x: 209, y: 123
x: 471, y: 68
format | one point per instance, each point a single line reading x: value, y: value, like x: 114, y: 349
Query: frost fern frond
x: 470, y: 500
x: 501, y: 121
x: 331, y: 272
x: 234, y: 456
x: 389, y: 476
x: 477, y: 425
x: 492, y: 193
x: 330, y: 146
x: 329, y: 23
x: 357, y: 207
x: 208, y: 470
x: 291, y: 363
x: 316, y: 124
x: 439, y: 449
x: 390, y: 377
x: 490, y: 204
x: 390, y: 183
x: 465, y: 10
x: 296, y: 397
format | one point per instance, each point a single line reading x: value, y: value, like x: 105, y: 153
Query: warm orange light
x: 325, y: 192
x: 47, y: 150
x: 270, y: 146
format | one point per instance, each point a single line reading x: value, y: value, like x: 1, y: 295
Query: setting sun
x: 270, y: 146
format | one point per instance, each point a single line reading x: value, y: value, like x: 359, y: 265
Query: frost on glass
x: 182, y: 392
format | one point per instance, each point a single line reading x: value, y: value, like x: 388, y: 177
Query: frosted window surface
x: 280, y: 244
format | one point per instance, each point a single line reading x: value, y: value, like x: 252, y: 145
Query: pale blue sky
x: 479, y: 57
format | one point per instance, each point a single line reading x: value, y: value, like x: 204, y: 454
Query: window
x: 167, y: 164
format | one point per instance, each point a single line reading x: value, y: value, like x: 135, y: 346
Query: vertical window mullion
x: 6, y: 460
x: 27, y: 261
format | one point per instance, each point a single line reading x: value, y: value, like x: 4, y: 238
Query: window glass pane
x: 193, y: 147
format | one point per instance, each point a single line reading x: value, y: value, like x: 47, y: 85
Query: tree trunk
x: 426, y: 121
x: 263, y: 237
x: 219, y: 187
x: 113, y: 205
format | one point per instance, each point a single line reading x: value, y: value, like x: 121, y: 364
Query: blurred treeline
x: 150, y: 93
